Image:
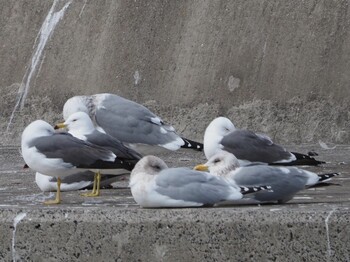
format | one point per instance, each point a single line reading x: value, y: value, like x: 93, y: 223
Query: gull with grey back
x: 248, y: 146
x: 79, y: 181
x: 131, y: 123
x: 60, y: 154
x: 285, y: 182
x: 81, y: 126
x: 153, y: 184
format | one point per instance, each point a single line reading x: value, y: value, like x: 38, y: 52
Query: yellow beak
x: 60, y: 125
x: 201, y: 168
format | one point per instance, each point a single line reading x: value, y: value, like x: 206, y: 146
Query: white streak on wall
x: 16, y: 220
x: 44, y: 34
x: 329, y: 250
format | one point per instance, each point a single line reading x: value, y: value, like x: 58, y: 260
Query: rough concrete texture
x: 279, y: 67
x: 314, y: 226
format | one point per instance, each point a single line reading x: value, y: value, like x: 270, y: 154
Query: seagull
x: 285, y: 182
x: 60, y: 154
x: 131, y: 123
x: 80, y: 125
x: 79, y: 181
x: 153, y: 184
x: 248, y: 146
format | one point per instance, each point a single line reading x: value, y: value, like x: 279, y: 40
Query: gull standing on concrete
x: 60, y: 154
x: 131, y: 123
x: 285, y: 182
x: 81, y: 126
x: 153, y: 184
x: 248, y: 146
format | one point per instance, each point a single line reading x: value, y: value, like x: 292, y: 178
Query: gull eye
x: 157, y: 167
x: 217, y: 160
x: 74, y: 120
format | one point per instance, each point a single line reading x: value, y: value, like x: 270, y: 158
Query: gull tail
x: 323, y: 180
x: 327, y: 177
x: 301, y: 160
x: 192, y: 144
x: 254, y: 189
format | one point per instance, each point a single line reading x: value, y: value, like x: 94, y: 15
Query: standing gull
x: 285, y: 182
x: 80, y: 126
x: 153, y: 184
x: 60, y: 154
x: 131, y: 123
x: 248, y: 146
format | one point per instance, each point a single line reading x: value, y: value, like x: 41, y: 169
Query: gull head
x: 36, y: 129
x: 220, y: 164
x: 216, y: 130
x: 75, y: 104
x: 150, y: 165
x: 78, y: 123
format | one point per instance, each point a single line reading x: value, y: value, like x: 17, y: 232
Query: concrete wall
x: 217, y: 234
x: 280, y: 67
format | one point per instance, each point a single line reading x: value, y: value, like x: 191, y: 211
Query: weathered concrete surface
x: 279, y: 67
x: 220, y: 234
x: 314, y: 226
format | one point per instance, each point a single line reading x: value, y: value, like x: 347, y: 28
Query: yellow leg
x: 57, y: 200
x: 98, y: 183
x: 93, y: 192
x: 96, y: 187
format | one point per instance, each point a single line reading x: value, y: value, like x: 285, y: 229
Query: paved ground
x: 18, y: 189
x: 314, y: 226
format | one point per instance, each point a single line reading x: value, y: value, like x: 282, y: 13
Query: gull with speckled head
x: 153, y: 184
x: 248, y: 146
x: 285, y: 182
x: 60, y: 154
x: 131, y: 123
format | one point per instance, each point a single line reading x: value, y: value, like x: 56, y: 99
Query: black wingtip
x: 325, y: 177
x: 192, y: 144
x: 254, y: 189
x: 301, y: 160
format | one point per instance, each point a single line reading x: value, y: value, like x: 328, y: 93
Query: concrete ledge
x: 217, y: 234
x: 314, y: 226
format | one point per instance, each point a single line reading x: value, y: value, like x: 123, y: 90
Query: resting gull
x: 285, y: 182
x: 153, y: 184
x: 79, y: 181
x: 248, y: 146
x: 131, y: 123
x: 60, y: 154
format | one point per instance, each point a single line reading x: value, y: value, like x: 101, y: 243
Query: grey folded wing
x: 189, y: 185
x: 73, y: 151
x: 284, y: 185
x: 132, y: 123
x: 114, y: 145
x: 246, y: 145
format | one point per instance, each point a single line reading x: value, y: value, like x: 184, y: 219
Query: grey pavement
x: 314, y: 226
